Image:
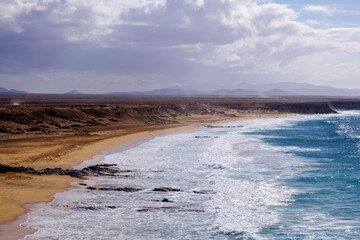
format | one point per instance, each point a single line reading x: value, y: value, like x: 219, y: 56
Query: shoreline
x: 94, y: 153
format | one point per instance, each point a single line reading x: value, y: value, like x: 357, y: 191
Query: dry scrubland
x: 61, y: 114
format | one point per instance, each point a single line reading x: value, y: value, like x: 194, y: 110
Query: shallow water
x: 285, y: 178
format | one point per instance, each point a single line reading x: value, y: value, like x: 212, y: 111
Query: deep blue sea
x: 283, y: 178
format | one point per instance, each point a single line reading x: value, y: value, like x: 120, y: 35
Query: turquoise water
x: 285, y: 178
x: 328, y: 203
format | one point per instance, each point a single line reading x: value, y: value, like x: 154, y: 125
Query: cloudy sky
x: 98, y: 46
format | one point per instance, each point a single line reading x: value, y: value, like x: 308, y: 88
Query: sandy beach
x: 43, y: 133
x: 66, y: 152
x: 179, y: 119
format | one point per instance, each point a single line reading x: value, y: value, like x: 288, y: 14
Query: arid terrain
x: 32, y: 114
x: 36, y: 130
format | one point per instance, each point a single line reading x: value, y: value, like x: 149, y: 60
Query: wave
x: 231, y: 183
x: 250, y: 183
x: 349, y: 112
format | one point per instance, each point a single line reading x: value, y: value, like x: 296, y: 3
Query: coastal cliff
x: 345, y: 105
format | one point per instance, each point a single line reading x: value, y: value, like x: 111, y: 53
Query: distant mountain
x: 170, y: 91
x: 301, y: 89
x: 236, y: 92
x: 161, y: 92
x: 4, y: 90
x: 189, y: 92
x: 273, y: 89
x: 73, y: 92
x: 277, y: 92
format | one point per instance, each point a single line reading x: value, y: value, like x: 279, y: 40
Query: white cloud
x: 318, y: 8
x: 85, y: 18
x: 177, y: 39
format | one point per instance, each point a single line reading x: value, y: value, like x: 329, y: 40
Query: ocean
x: 284, y: 178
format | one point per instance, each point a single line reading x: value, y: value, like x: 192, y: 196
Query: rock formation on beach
x: 95, y: 170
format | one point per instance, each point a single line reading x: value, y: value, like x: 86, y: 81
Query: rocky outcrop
x: 170, y: 209
x: 204, y: 192
x: 6, y: 169
x: 121, y: 189
x: 345, y: 105
x: 95, y: 170
x: 166, y: 189
x: 302, y: 108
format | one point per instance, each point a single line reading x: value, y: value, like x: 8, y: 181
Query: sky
x: 98, y: 46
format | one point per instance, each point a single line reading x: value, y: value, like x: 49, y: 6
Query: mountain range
x: 190, y: 92
x: 276, y: 89
x: 244, y: 89
x: 4, y: 90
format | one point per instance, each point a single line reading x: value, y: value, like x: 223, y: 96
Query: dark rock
x: 302, y: 108
x: 216, y: 166
x: 105, y: 165
x: 6, y: 169
x: 166, y: 189
x: 143, y: 210
x: 204, y: 192
x: 91, y: 208
x: 82, y: 184
x: 112, y: 207
x: 96, y: 170
x: 170, y: 209
x: 129, y: 189
x: 86, y: 208
x: 126, y: 176
x: 75, y: 174
x: 147, y: 209
x: 99, y: 170
x: 164, y: 200
x: 191, y: 210
x: 202, y: 136
x: 53, y: 171
x: 124, y: 189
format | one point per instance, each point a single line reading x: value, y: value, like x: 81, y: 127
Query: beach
x: 274, y: 178
x: 63, y: 135
x: 69, y: 151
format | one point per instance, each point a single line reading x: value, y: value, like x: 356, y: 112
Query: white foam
x: 244, y: 173
x: 249, y: 184
x: 166, y: 161
x: 244, y: 206
x: 349, y: 112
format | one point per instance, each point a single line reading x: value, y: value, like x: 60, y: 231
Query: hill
x: 4, y: 90
x: 73, y: 92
